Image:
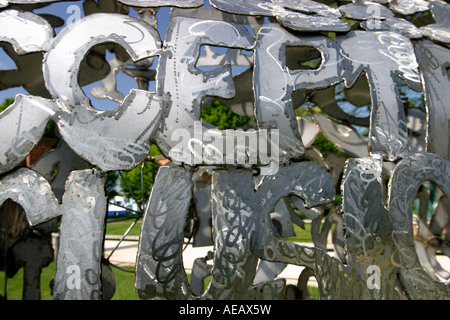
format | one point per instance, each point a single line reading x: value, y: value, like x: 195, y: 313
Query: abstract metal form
x: 245, y: 187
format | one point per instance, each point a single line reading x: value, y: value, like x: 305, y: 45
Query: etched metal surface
x: 335, y: 138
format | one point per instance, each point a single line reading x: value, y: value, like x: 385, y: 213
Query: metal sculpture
x: 242, y: 185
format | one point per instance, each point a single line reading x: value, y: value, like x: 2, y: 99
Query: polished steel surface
x: 303, y: 72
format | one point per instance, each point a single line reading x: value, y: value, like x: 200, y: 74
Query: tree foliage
x: 5, y: 104
x: 222, y: 117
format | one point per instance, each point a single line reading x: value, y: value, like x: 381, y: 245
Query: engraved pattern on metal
x: 375, y: 188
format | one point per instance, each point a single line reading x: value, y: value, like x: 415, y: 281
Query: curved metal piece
x: 33, y: 192
x: 22, y: 125
x: 247, y: 7
x: 5, y: 3
x: 368, y: 223
x: 100, y: 137
x: 163, y: 3
x: 309, y: 6
x: 63, y: 160
x: 159, y: 268
x: 26, y: 31
x: 105, y: 139
x: 62, y: 61
x: 243, y: 102
x: 308, y: 131
x: 408, y: 175
x: 200, y: 13
x: 109, y: 89
x: 440, y: 30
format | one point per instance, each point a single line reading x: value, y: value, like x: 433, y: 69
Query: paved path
x: 125, y: 255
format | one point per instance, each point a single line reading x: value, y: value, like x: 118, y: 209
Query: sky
x: 67, y: 12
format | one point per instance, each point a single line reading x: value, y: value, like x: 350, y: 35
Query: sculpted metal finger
x: 109, y: 89
x: 273, y: 99
x: 407, y: 7
x: 433, y: 60
x: 159, y: 269
x: 26, y: 31
x: 440, y: 30
x: 383, y: 51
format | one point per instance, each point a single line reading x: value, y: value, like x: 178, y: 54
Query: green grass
x: 119, y: 228
x: 300, y: 234
x: 124, y: 280
x: 15, y: 284
x: 124, y: 284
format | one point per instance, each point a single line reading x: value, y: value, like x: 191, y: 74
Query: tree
x: 5, y: 104
x: 222, y: 117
